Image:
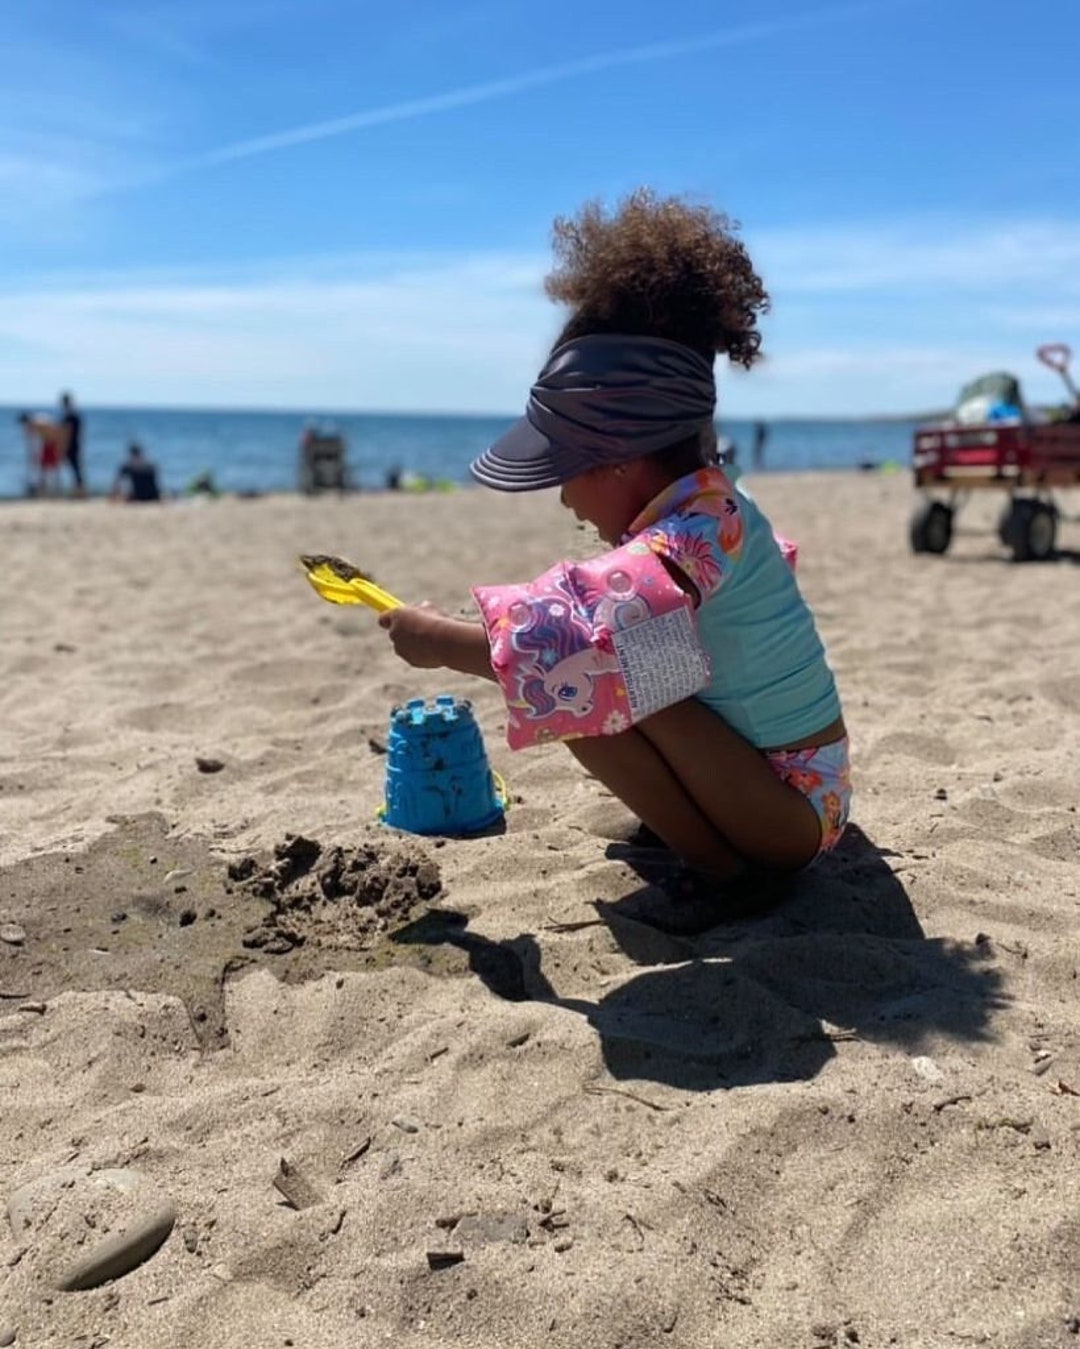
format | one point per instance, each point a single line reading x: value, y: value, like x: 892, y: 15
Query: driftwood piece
x: 295, y: 1186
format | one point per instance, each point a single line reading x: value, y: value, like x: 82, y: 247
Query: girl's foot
x: 644, y: 837
x: 685, y: 903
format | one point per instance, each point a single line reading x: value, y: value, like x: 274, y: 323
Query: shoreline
x: 451, y: 488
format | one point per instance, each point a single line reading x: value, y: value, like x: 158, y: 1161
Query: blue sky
x: 335, y: 204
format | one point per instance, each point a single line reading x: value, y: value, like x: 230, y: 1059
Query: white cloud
x: 467, y: 333
x: 995, y: 258
x: 456, y: 335
x: 1045, y: 318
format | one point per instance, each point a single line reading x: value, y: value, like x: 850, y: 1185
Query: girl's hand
x: 431, y: 641
x: 416, y: 634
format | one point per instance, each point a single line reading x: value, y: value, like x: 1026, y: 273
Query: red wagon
x: 1005, y: 450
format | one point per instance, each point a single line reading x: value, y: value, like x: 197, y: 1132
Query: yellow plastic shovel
x: 340, y: 582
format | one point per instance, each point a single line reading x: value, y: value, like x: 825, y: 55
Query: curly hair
x: 660, y: 267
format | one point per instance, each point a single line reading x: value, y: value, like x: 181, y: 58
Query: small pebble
x: 208, y: 765
x: 12, y: 933
x: 927, y: 1068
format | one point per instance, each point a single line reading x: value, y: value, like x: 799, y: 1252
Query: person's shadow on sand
x: 762, y: 999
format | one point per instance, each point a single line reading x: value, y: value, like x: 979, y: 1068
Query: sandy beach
x: 510, y: 1115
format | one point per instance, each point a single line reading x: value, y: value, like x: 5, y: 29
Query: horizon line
x: 435, y: 414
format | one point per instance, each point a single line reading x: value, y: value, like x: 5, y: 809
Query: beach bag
x: 591, y: 648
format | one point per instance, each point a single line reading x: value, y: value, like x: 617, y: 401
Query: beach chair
x: 323, y: 463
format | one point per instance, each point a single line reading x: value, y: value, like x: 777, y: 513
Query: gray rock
x: 12, y: 933
x: 38, y: 1197
x: 32, y: 1206
x: 122, y: 1252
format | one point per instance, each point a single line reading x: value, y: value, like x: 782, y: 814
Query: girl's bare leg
x: 631, y: 767
x: 707, y: 792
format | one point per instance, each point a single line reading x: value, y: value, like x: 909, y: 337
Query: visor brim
x: 523, y: 459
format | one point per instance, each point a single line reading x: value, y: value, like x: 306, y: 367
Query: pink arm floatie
x: 590, y: 648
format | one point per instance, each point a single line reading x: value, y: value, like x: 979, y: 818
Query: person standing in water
x: 71, y: 422
x: 761, y: 435
x: 44, y: 450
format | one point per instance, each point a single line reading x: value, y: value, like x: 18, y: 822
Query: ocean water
x: 257, y: 451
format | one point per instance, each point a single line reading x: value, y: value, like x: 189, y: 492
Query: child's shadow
x: 763, y: 999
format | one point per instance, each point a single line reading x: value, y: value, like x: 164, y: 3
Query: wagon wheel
x: 931, y: 528
x: 1029, y: 530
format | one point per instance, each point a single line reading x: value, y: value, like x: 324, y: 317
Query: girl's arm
x: 429, y: 640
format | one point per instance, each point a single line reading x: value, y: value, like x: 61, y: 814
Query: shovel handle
x: 1057, y: 356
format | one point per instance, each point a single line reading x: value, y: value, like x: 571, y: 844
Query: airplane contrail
x: 516, y: 84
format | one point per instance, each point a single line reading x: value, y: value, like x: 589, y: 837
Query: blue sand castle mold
x: 438, y: 779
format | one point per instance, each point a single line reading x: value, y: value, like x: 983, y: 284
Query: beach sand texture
x: 509, y: 1115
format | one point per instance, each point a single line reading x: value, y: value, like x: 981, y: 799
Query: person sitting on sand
x: 737, y: 761
x: 136, y: 478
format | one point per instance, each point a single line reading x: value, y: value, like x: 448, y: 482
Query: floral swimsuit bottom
x: 823, y: 775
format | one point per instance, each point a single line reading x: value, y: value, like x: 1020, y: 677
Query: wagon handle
x: 1057, y: 356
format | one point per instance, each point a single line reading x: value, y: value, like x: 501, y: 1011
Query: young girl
x: 683, y: 667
